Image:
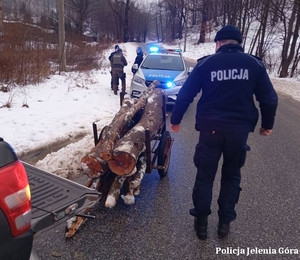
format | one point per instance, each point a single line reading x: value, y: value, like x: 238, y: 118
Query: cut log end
x: 92, y: 167
x: 104, y: 155
x: 122, y: 163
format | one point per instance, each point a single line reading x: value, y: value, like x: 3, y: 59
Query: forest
x: 29, y: 30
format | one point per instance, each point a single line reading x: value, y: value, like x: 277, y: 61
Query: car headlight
x: 169, y: 84
x: 138, y: 79
x: 179, y: 82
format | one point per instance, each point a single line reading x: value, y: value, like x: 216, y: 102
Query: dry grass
x: 29, y: 54
x: 24, y: 56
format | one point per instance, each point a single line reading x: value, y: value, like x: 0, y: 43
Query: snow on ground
x: 288, y: 87
x: 64, y: 107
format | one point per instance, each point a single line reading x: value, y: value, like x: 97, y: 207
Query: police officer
x: 118, y: 61
x: 138, y: 59
x: 226, y: 113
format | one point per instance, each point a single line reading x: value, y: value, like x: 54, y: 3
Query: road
x: 158, y: 225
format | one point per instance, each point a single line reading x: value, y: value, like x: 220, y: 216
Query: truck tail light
x: 17, y: 197
x: 14, y: 200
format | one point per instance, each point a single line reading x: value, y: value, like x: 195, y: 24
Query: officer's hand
x: 265, y: 132
x: 174, y: 128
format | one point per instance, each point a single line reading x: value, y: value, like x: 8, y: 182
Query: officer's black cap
x: 117, y: 47
x: 229, y: 32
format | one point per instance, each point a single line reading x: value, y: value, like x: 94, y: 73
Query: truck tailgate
x: 55, y: 199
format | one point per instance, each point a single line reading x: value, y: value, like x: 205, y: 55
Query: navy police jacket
x: 228, y: 81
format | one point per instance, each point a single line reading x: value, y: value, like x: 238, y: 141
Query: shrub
x: 29, y: 54
x: 24, y: 56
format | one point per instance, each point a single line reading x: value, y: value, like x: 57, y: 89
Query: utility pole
x: 61, y: 36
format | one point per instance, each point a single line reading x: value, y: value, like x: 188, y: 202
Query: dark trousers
x: 208, y: 152
x: 118, y: 73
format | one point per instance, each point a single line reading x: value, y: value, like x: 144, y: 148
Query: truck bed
x: 55, y: 199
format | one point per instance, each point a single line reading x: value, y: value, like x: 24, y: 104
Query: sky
x: 63, y: 108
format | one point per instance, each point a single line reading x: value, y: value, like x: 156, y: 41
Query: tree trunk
x: 1, y: 17
x: 254, y: 40
x: 244, y: 18
x: 264, y: 19
x: 128, y: 148
x: 114, y: 191
x: 202, y: 32
x: 296, y: 62
x: 186, y: 25
x: 132, y: 184
x: 61, y: 35
x: 94, y: 164
x: 126, y: 21
x: 117, y: 128
x: 290, y: 40
x: 163, y: 36
x: 156, y: 28
x: 119, y: 125
x: 203, y: 25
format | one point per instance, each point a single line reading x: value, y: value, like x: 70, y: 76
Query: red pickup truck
x: 31, y: 201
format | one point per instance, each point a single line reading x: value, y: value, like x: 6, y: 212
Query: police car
x: 165, y: 65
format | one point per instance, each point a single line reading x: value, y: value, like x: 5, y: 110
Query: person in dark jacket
x: 118, y: 61
x: 225, y: 115
x: 138, y: 59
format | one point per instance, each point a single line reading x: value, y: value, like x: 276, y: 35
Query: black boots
x: 201, y: 227
x: 223, y: 230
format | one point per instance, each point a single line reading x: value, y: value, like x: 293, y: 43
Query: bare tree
x: 263, y: 27
x: 61, y: 35
x: 79, y: 11
x: 117, y: 8
x: 296, y: 62
x: 139, y: 21
x: 125, y: 26
x: 129, y: 20
x: 204, y: 14
x: 1, y: 17
x: 160, y: 29
x: 186, y: 21
x: 291, y: 34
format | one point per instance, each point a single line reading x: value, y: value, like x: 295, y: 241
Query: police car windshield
x: 163, y: 62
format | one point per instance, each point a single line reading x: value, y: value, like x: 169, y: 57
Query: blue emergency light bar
x: 154, y: 49
x: 175, y: 50
x: 157, y: 49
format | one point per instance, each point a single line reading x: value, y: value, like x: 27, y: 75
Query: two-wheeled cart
x: 157, y: 155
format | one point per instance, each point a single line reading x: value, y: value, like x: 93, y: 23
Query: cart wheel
x: 101, y: 133
x: 162, y: 156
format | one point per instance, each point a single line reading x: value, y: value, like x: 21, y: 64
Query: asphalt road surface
x: 158, y: 225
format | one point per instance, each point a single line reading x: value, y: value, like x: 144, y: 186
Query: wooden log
x: 93, y: 167
x: 118, y: 127
x: 94, y: 164
x: 101, y: 184
x: 114, y: 192
x: 129, y: 147
x: 74, y: 223
x: 133, y: 183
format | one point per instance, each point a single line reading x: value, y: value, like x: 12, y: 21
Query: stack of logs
x: 121, y: 150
